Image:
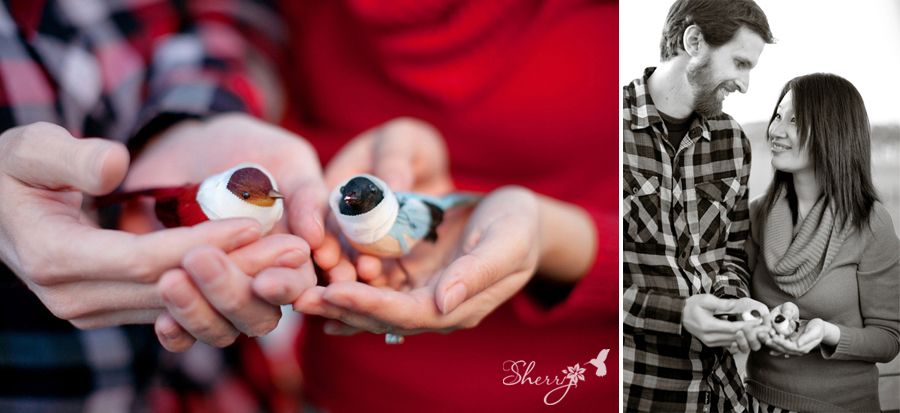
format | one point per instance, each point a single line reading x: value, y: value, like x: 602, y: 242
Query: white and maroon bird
x: 246, y: 190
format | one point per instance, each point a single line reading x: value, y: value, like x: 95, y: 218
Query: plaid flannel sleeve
x: 734, y: 279
x: 652, y: 311
x: 222, y: 58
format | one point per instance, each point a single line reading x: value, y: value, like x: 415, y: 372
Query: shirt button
x: 635, y: 190
x: 696, y: 132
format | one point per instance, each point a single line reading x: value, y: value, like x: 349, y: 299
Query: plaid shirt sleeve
x: 221, y: 59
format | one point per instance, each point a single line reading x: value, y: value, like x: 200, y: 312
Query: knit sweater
x: 860, y: 293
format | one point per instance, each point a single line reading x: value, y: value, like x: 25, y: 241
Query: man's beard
x: 707, y: 96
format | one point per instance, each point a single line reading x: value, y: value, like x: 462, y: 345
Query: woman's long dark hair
x: 831, y: 118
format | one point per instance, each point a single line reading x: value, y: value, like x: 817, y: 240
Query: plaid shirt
x: 685, y: 219
x: 121, y: 70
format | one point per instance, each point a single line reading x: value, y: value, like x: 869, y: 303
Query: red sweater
x: 525, y: 93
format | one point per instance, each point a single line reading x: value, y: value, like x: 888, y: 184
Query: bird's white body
x: 217, y: 202
x: 368, y: 227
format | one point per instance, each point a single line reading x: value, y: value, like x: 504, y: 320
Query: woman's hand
x: 481, y: 259
x: 809, y: 336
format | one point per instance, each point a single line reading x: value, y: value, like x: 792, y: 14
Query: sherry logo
x: 521, y: 375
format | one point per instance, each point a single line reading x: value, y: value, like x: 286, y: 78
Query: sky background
x: 858, y: 40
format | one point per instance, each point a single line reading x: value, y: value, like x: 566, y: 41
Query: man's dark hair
x: 718, y: 20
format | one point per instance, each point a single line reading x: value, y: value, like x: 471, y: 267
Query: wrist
x: 567, y: 240
x: 832, y: 334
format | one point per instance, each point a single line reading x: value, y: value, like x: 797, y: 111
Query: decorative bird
x: 376, y: 221
x: 600, y: 362
x: 785, y: 319
x: 246, y: 190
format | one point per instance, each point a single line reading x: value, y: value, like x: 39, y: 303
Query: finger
x: 741, y: 341
x: 312, y: 302
x: 280, y: 286
x: 497, y: 252
x: 328, y: 255
x: 117, y: 318
x: 306, y: 205
x: 188, y: 307
x: 279, y: 250
x: 45, y: 155
x: 409, y: 152
x: 79, y: 252
x: 393, y: 156
x: 406, y: 311
x: 354, y: 158
x: 230, y: 292
x: 368, y: 268
x: 344, y: 271
x: 171, y: 335
x: 85, y: 299
x: 337, y: 328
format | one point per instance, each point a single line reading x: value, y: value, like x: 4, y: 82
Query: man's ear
x: 693, y: 41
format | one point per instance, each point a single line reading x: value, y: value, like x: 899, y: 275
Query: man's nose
x: 744, y: 82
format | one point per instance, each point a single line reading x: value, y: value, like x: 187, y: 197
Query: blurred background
x: 859, y: 41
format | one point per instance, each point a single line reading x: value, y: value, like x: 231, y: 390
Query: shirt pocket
x: 641, y: 208
x: 710, y: 220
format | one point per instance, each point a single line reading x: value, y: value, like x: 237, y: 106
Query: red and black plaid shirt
x: 124, y: 70
x: 685, y: 220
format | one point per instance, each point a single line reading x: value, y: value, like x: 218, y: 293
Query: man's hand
x: 698, y: 318
x: 89, y: 276
x: 215, y: 296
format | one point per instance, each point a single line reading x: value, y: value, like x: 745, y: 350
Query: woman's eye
x: 793, y: 119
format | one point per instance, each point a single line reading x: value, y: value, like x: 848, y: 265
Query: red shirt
x: 524, y: 93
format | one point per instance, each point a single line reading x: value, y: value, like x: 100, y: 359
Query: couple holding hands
x: 315, y: 92
x: 806, y: 278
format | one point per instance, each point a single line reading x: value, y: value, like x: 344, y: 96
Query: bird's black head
x: 359, y: 195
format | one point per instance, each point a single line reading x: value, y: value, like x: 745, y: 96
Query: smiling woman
x: 821, y: 240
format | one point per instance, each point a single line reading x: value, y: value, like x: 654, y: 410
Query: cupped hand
x: 231, y: 293
x: 409, y: 155
x: 699, y: 318
x: 809, y: 336
x: 89, y: 276
x: 481, y: 259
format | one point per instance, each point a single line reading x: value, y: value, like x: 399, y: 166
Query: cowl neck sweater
x: 796, y: 258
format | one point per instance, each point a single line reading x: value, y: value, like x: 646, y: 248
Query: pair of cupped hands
x: 216, y: 280
x: 753, y: 326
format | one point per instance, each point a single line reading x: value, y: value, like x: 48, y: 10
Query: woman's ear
x: 693, y: 41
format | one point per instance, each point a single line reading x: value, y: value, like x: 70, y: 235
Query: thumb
x: 47, y: 156
x: 495, y: 256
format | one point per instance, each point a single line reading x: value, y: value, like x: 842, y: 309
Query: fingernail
x: 291, y: 259
x: 453, y: 297
x: 246, y: 236
x: 178, y: 297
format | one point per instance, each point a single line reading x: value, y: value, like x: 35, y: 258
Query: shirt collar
x: 642, y: 113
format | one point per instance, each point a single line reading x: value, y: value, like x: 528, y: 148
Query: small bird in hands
x: 246, y: 190
x: 377, y: 221
x: 600, y: 362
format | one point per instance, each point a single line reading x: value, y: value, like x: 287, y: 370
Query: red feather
x: 174, y: 207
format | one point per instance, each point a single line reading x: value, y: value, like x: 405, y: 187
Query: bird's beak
x: 275, y: 194
x: 351, y: 198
